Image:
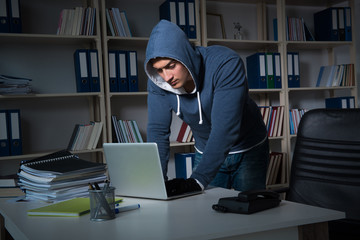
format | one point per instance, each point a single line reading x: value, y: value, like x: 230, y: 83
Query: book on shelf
x: 75, y: 207
x: 277, y: 169
x: 59, y: 176
x: 117, y: 23
x: 273, y: 117
x: 340, y: 102
x: 336, y: 76
x: 85, y: 136
x: 126, y: 131
x: 295, y: 116
x: 77, y: 21
x: 10, y: 132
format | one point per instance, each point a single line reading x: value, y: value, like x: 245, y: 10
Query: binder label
x: 83, y: 64
x: 112, y: 69
x: 122, y: 65
x: 15, y: 130
x: 3, y: 127
x: 133, y: 64
x: 94, y: 65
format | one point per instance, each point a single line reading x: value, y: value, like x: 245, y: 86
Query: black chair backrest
x: 325, y: 168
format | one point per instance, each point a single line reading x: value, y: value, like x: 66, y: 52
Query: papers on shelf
x: 14, y: 85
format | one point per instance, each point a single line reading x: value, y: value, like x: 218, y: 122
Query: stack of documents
x: 59, y: 176
x: 14, y: 85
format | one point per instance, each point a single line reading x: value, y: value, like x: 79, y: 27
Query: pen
x: 127, y: 208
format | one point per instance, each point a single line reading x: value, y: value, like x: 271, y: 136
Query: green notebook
x: 70, y: 208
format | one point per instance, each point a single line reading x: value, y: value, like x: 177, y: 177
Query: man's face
x: 174, y: 73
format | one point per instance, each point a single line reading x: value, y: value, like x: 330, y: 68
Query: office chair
x: 325, y: 169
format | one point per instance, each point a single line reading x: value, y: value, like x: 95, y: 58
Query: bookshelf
x: 48, y: 116
x: 39, y: 52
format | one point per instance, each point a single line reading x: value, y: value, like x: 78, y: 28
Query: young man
x: 207, y: 88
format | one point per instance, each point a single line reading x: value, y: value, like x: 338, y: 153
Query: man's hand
x: 180, y: 185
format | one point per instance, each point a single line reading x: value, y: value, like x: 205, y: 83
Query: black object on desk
x: 248, y: 202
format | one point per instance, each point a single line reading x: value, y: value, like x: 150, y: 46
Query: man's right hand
x: 178, y: 186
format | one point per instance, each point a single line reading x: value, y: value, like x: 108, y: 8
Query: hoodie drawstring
x: 199, y: 105
x: 200, y: 112
x: 178, y: 105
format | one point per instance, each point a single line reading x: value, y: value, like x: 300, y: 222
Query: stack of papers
x: 59, y: 176
x: 14, y: 85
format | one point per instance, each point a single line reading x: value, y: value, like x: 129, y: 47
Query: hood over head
x: 168, y: 40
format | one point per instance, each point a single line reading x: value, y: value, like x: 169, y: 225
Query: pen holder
x: 102, y: 204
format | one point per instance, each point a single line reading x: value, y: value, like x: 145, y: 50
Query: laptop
x: 135, y: 171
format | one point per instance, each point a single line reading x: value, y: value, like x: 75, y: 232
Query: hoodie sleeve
x: 159, y: 121
x: 229, y: 101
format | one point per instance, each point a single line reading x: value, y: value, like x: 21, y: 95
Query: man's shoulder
x: 218, y: 52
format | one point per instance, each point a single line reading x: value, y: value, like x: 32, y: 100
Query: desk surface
x: 186, y: 218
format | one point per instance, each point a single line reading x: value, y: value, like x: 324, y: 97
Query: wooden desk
x: 186, y: 218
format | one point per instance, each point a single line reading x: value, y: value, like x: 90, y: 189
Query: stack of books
x: 59, y: 176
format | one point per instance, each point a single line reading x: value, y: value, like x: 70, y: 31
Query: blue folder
x: 256, y: 70
x: 340, y: 102
x: 15, y: 18
x: 191, y: 19
x: 348, y: 30
x: 181, y: 15
x: 4, y: 134
x: 93, y: 68
x: 277, y: 69
x: 122, y: 71
x: 183, y: 164
x: 112, y: 60
x: 132, y: 71
x: 293, y: 65
x: 14, y: 132
x: 81, y: 70
x: 169, y: 11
